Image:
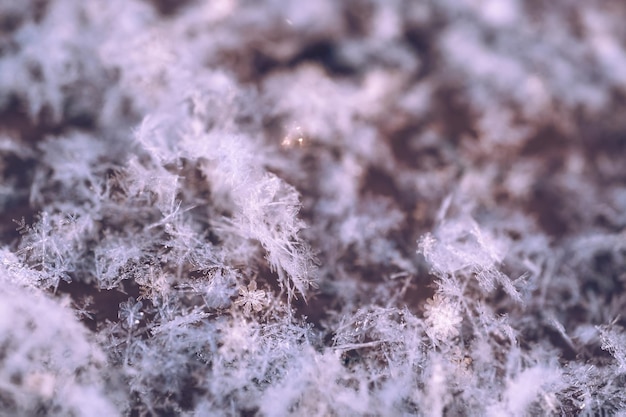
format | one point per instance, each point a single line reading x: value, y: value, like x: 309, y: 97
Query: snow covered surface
x: 312, y: 208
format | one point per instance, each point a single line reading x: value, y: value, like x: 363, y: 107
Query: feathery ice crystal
x: 323, y: 208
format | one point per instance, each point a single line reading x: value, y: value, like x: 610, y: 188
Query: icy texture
x: 312, y: 208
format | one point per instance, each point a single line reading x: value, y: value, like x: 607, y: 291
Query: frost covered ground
x: 312, y: 208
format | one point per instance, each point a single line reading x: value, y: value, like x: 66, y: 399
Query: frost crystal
x: 251, y: 299
x: 312, y: 208
x: 442, y: 317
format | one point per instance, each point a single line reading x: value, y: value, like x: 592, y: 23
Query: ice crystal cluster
x: 312, y: 208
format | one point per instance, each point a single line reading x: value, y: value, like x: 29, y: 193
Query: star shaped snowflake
x: 442, y: 317
x: 251, y: 299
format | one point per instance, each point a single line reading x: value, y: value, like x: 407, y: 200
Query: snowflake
x: 442, y: 317
x: 130, y: 313
x: 251, y: 298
